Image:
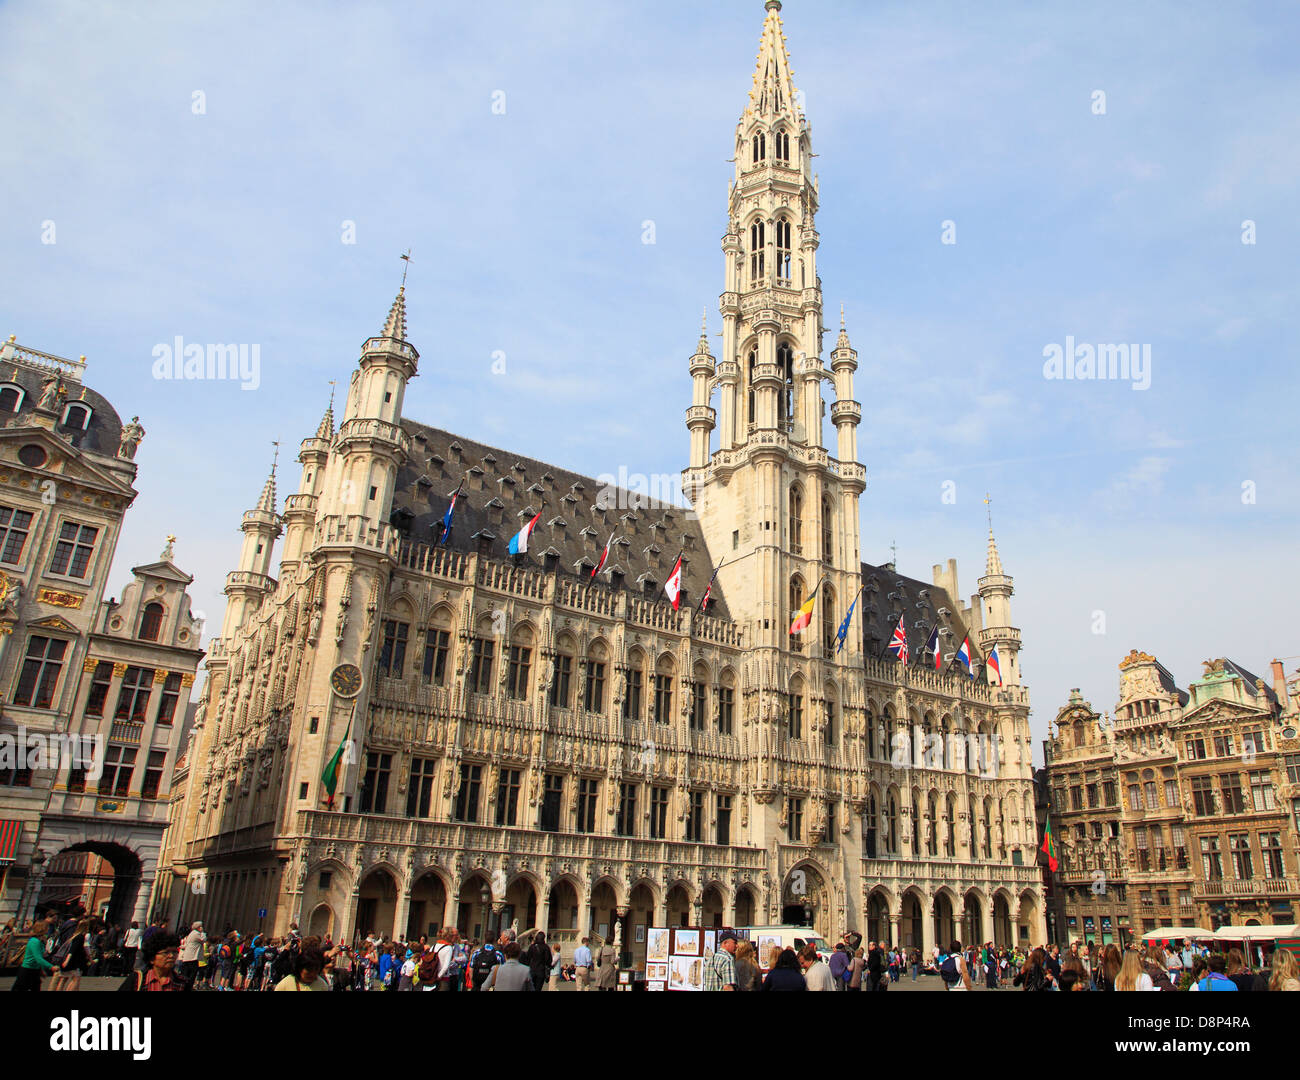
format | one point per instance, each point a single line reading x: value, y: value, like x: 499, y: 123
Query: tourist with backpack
x: 953, y: 970
x: 427, y: 970
x: 481, y: 964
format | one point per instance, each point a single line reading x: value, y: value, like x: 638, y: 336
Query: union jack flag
x: 898, y: 644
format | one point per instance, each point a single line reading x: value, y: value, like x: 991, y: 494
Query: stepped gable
x: 502, y: 492
x: 920, y: 601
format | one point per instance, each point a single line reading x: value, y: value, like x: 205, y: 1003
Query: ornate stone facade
x: 1182, y: 811
x: 542, y: 738
x: 80, y: 673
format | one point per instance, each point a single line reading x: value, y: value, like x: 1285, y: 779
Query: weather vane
x: 407, y: 260
x: 988, y: 502
x: 275, y: 460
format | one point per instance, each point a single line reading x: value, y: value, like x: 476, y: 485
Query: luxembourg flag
x: 519, y: 542
x: 673, y: 586
x: 932, y: 645
x: 963, y: 655
x: 993, y: 664
x: 604, y: 555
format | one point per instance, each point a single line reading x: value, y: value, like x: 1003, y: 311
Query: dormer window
x: 77, y: 416
x: 760, y: 147
x: 11, y: 397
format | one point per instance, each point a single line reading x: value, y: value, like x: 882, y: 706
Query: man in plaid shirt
x: 720, y: 971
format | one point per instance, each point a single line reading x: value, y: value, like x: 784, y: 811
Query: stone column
x: 986, y: 922
x: 402, y: 912
x: 895, y: 923
x: 927, y: 931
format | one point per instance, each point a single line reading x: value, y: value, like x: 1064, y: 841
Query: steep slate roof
x: 887, y: 594
x: 502, y: 492
x: 104, y: 434
x: 1269, y: 693
x: 1168, y: 684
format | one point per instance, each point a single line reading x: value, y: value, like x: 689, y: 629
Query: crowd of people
x: 68, y: 947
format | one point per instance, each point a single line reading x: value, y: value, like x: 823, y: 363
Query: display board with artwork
x: 676, y: 956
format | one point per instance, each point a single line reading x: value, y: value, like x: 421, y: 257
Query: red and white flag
x: 604, y: 555
x: 673, y: 586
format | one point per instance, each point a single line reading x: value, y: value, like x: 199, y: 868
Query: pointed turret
x: 773, y: 91
x: 247, y: 585
x: 995, y: 591
x: 700, y: 417
x: 846, y: 413
x: 395, y: 324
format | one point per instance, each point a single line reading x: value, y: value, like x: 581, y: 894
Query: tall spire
x: 395, y: 325
x: 773, y: 91
x: 267, y: 500
x: 993, y: 564
x: 325, y: 429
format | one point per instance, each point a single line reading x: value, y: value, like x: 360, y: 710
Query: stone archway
x: 563, y: 910
x: 911, y: 923
x: 474, y: 908
x: 641, y: 916
x: 877, y: 916
x: 806, y: 899
x: 321, y: 922
x: 604, y: 912
x: 746, y: 905
x: 712, y: 907
x: 520, y: 909
x: 376, y: 904
x: 100, y: 876
x: 972, y: 920
x: 1002, y: 935
x: 428, y: 906
x: 944, y: 928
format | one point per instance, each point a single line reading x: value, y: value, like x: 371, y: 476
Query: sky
x: 201, y: 169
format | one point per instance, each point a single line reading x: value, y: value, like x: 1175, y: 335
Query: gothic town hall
x: 526, y: 742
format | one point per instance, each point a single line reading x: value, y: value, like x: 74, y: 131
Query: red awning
x: 10, y: 831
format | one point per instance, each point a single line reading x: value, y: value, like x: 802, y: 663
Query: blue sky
x: 526, y: 229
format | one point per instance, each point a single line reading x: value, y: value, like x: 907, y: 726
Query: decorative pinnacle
x: 267, y: 500
x: 395, y: 325
x: 325, y: 429
x: 993, y: 564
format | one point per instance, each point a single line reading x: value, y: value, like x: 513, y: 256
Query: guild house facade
x: 541, y: 739
x: 94, y: 691
x: 1182, y: 810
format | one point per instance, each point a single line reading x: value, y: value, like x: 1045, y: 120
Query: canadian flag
x: 673, y: 586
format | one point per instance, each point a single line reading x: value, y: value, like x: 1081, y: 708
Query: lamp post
x: 485, y: 895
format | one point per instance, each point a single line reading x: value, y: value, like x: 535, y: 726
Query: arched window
x: 749, y: 381
x: 11, y: 397
x: 783, y: 250
x: 796, y: 520
x: 891, y: 825
x: 952, y: 827
x: 932, y: 829
x: 757, y: 252
x: 830, y: 731
x: 760, y: 147
x: 915, y: 812
x: 151, y: 622
x: 869, y: 839
x: 785, y: 365
x: 828, y: 530
x: 988, y: 829
x: 829, y: 626
x: 796, y: 602
x: 781, y: 145
x: 795, y: 702
x: 77, y: 416
x: 871, y: 732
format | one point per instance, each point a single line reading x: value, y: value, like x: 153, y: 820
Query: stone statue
x: 52, y: 392
x: 132, y: 433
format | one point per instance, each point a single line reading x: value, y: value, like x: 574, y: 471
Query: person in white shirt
x: 816, y: 973
x: 190, y: 949
x: 130, y: 948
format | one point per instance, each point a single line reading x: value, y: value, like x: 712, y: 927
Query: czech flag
x: 993, y: 664
x: 603, y: 556
x: 519, y: 542
x: 1049, y: 847
x: 963, y: 654
x: 898, y: 643
x: 446, y: 518
x: 805, y: 615
x: 932, y: 645
x: 673, y: 586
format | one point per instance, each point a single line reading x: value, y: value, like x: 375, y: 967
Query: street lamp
x: 485, y: 895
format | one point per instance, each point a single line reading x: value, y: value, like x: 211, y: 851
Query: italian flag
x: 330, y: 777
x: 1049, y: 847
x: 805, y: 615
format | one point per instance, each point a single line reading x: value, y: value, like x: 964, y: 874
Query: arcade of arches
x: 913, y: 921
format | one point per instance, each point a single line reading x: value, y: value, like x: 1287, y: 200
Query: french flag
x: 446, y: 518
x: 933, y: 646
x: 993, y: 664
x: 519, y: 542
x: 963, y: 655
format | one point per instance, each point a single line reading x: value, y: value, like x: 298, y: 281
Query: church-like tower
x: 778, y: 510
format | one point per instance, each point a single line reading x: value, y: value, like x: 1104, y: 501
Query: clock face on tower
x: 346, y: 680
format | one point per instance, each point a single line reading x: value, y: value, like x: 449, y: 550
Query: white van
x: 788, y: 937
